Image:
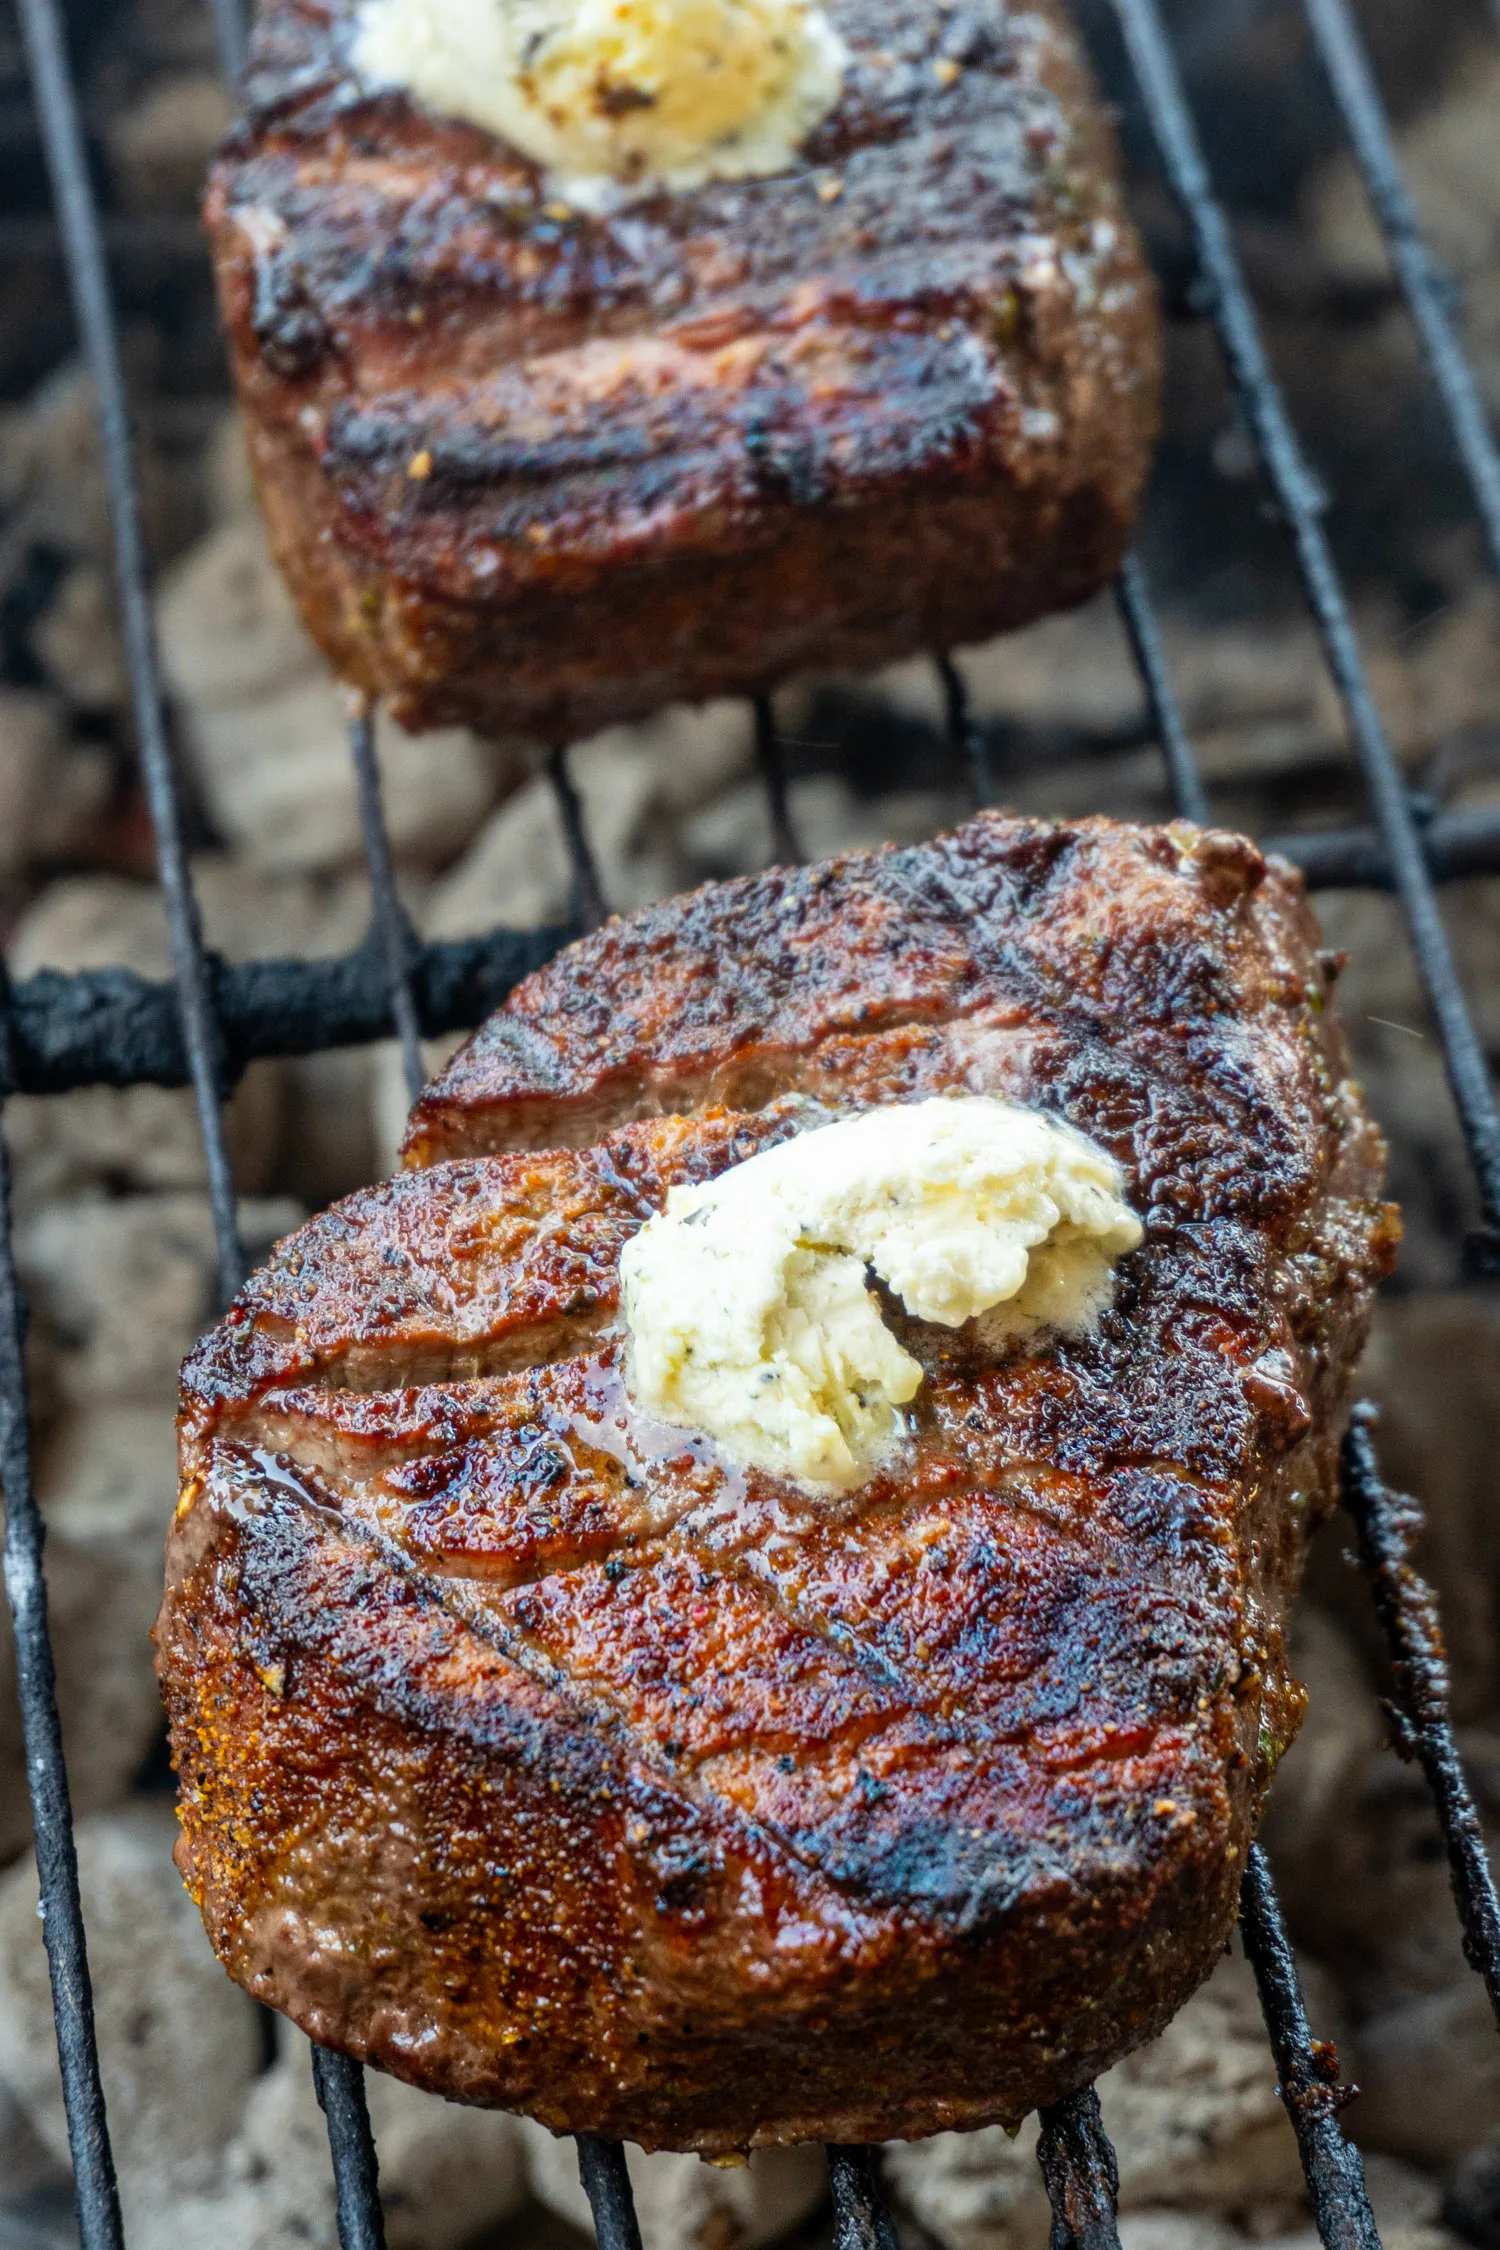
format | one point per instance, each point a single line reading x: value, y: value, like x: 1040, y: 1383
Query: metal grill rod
x: 339, y: 2081
x: 230, y: 32
x: 395, y: 935
x: 340, y: 2088
x: 602, y: 2165
x: 861, y: 2215
x: 1456, y: 844
x: 1307, y: 2069
x: 62, y: 136
x: 1427, y: 289
x: 589, y: 909
x: 1134, y: 598
x: 114, y: 1027
x: 1387, y: 1526
x: 786, y: 851
x: 1301, y: 499
x: 95, y: 2192
x: 965, y: 733
x: 1081, y: 2175
x: 606, y: 2182
x: 1133, y: 593
x: 390, y: 926
x: 67, y: 162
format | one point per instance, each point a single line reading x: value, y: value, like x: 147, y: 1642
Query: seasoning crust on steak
x: 536, y: 471
x: 534, y: 1752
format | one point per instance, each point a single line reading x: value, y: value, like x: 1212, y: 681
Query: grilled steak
x: 534, y: 471
x: 535, y: 1753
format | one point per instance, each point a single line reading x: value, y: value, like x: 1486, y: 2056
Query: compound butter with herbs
x: 613, y: 97
x: 746, y: 1301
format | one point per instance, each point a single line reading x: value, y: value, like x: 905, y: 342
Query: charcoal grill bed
x: 115, y: 1028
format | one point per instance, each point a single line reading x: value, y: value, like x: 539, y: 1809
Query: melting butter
x: 616, y: 96
x: 746, y: 1301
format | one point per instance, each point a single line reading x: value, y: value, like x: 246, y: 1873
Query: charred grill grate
x: 113, y: 1027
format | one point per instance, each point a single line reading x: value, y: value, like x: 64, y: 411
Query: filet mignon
x: 536, y: 1753
x: 535, y: 471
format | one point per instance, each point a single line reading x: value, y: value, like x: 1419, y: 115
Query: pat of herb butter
x: 746, y: 1301
x: 613, y: 97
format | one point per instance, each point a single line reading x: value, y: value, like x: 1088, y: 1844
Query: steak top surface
x: 536, y: 1752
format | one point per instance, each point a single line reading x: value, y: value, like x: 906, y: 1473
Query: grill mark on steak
x: 516, y: 1489
x: 871, y: 1742
x: 250, y: 1474
x: 863, y: 1816
x: 489, y: 1265
x: 650, y: 1531
x: 458, y: 1605
x: 844, y: 415
x: 979, y: 1049
x: 1056, y: 939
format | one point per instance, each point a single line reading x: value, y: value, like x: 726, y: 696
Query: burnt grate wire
x: 116, y: 1028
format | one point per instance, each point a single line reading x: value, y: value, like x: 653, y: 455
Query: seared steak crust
x: 535, y: 471
x: 533, y: 1752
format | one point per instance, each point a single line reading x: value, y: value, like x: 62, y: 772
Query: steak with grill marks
x: 535, y: 471
x: 535, y: 1752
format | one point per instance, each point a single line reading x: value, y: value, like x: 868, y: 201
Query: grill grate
x: 113, y: 1027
